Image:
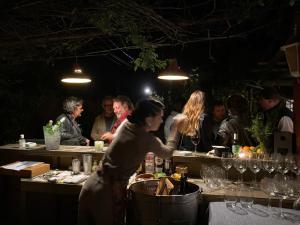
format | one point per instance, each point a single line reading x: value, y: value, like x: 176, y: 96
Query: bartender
x: 70, y: 131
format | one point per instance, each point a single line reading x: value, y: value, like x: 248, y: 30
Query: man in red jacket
x: 122, y: 108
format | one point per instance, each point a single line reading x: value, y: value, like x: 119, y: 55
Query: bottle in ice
x: 168, y: 167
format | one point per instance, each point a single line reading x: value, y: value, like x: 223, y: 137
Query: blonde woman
x: 191, y: 130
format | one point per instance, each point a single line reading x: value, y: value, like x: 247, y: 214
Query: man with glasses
x: 104, y: 122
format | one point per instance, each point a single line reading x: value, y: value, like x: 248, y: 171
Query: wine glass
x: 268, y: 185
x: 296, y: 204
x: 226, y: 160
x: 195, y: 139
x: 290, y: 163
x: 280, y: 164
x: 268, y: 163
x: 255, y: 165
x: 241, y: 166
x: 281, y: 185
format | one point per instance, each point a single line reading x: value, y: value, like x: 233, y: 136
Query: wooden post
x: 297, y: 116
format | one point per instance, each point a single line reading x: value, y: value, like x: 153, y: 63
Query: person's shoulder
x: 61, y: 116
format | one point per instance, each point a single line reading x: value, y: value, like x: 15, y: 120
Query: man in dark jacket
x: 275, y: 114
x: 275, y: 111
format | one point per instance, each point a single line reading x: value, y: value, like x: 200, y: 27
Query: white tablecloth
x: 219, y: 214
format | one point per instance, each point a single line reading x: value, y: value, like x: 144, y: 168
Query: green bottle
x: 235, y: 144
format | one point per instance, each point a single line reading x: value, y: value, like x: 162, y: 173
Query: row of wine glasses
x: 284, y: 187
x: 269, y: 162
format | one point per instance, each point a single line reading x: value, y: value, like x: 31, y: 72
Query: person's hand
x: 107, y: 136
x: 87, y: 141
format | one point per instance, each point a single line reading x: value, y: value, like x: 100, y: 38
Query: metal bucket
x: 149, y: 209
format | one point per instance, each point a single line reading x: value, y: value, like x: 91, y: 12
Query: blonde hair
x: 193, y: 110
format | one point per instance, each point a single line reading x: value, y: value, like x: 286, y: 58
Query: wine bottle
x: 168, y: 167
x: 159, y: 163
x: 183, y: 180
x: 235, y: 144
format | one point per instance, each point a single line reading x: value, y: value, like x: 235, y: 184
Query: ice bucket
x: 149, y: 209
x: 52, y: 140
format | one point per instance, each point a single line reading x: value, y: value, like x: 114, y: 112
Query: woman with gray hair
x: 70, y: 130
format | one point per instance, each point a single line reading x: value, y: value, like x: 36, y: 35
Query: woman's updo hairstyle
x: 145, y: 108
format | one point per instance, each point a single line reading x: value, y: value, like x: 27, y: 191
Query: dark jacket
x: 205, y: 143
x: 271, y: 118
x: 231, y: 125
x: 70, y: 131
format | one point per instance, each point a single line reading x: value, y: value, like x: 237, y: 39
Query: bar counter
x: 62, y: 194
x: 39, y: 202
x: 58, y: 159
x: 62, y: 158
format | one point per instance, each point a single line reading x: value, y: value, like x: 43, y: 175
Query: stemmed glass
x: 255, y: 166
x: 227, y: 161
x: 281, y: 185
x: 268, y: 163
x: 268, y: 185
x: 195, y: 139
x: 296, y: 204
x: 280, y: 163
x: 291, y: 164
x: 241, y: 166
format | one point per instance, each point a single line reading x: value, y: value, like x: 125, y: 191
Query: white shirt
x: 286, y: 124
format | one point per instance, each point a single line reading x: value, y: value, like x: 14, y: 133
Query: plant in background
x: 260, y: 132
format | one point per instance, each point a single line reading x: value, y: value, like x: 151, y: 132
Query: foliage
x: 148, y: 59
x: 51, y: 128
x: 260, y: 131
x: 112, y: 21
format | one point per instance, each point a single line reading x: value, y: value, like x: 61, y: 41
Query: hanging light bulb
x: 76, y: 77
x: 173, y: 72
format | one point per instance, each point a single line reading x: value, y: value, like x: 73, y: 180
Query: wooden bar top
x: 39, y: 184
x: 41, y: 149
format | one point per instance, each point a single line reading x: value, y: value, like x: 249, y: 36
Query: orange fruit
x: 246, y: 148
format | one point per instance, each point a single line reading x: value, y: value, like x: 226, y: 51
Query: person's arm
x: 223, y: 135
x: 286, y: 124
x: 166, y: 150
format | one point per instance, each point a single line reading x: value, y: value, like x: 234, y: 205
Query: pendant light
x: 173, y: 72
x: 77, y: 76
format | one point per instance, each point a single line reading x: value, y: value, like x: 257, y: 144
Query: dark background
x: 240, y: 58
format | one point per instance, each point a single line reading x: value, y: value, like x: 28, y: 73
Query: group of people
x: 129, y: 130
x: 218, y: 126
x: 106, y: 125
